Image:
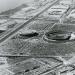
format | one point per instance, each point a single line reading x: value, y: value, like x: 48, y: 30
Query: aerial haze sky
x: 10, y: 4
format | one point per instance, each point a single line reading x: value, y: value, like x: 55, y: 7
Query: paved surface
x: 17, y: 28
x: 27, y: 46
x: 36, y: 46
x: 29, y: 66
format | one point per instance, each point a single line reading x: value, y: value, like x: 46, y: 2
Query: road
x: 17, y: 28
x: 36, y: 46
x: 18, y: 65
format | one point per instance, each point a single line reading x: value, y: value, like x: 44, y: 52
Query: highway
x: 23, y: 49
x: 36, y: 48
x: 21, y: 64
x: 17, y: 28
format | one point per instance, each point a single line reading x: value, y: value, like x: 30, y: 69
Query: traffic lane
x: 33, y: 66
x: 24, y: 65
x: 48, y: 48
x: 36, y: 46
x: 28, y: 66
x: 57, y: 48
x: 16, y: 29
x: 15, y: 46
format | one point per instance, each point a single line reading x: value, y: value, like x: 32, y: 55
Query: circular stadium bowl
x: 58, y: 36
x: 29, y: 34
